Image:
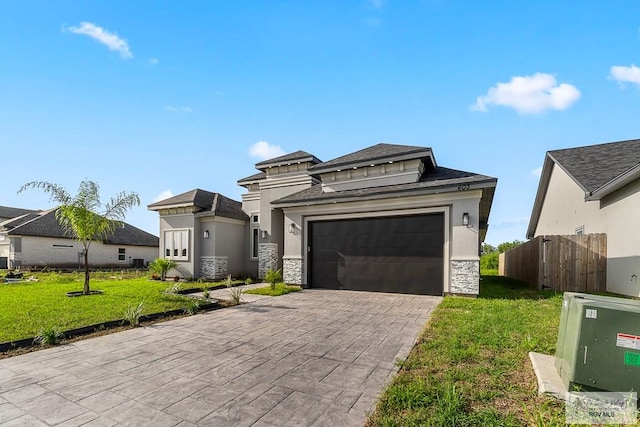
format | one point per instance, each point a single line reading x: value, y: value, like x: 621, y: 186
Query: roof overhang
x: 615, y: 184
x: 425, y: 153
x: 543, y: 185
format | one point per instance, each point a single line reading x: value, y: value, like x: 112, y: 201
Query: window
x: 580, y: 230
x: 121, y: 254
x: 176, y: 244
x: 255, y: 235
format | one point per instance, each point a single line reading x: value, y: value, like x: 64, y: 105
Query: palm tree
x: 81, y: 216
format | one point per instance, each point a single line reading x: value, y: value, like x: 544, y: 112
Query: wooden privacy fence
x: 562, y: 263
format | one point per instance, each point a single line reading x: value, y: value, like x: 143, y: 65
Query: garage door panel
x: 388, y: 254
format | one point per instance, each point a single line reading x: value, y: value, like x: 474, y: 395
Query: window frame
x: 122, y: 254
x: 177, y: 242
x: 254, y: 236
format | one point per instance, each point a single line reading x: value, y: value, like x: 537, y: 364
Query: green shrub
x: 193, y: 307
x: 132, y: 314
x: 273, y: 277
x: 161, y: 267
x: 235, y: 293
x: 49, y: 336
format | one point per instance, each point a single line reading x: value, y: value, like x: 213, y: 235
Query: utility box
x: 599, y: 343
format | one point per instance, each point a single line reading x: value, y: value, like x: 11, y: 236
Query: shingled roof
x: 597, y: 169
x: 297, y: 157
x: 379, y: 153
x: 434, y: 181
x: 45, y: 224
x: 9, y: 212
x: 204, y: 201
x: 253, y: 178
x: 594, y: 166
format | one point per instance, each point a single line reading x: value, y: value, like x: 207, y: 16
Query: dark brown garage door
x: 389, y: 254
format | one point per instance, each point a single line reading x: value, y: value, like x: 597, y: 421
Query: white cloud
x: 624, y: 74
x: 110, y: 40
x: 153, y: 61
x: 529, y: 94
x: 537, y: 172
x: 264, y: 150
x: 179, y: 109
x: 162, y: 196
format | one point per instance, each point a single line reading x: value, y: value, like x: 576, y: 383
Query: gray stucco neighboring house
x: 386, y: 218
x: 30, y: 238
x: 595, y: 189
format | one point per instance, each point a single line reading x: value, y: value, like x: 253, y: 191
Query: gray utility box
x: 599, y: 343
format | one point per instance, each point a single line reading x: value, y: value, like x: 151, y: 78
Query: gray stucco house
x: 32, y: 238
x: 386, y: 218
x: 595, y: 189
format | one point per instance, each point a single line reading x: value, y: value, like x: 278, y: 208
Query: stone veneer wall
x: 292, y: 270
x: 267, y: 258
x: 465, y: 277
x: 214, y: 267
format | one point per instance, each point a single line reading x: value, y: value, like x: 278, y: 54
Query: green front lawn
x: 28, y: 307
x: 471, y: 367
x: 280, y: 289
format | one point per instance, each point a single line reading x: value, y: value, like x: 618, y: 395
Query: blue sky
x: 160, y: 97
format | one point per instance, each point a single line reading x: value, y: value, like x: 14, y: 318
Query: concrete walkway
x: 311, y: 358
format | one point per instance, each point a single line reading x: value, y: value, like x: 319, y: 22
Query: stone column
x: 267, y: 258
x: 465, y: 277
x: 292, y: 270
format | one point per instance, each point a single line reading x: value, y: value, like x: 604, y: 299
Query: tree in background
x: 83, y: 217
x: 490, y: 254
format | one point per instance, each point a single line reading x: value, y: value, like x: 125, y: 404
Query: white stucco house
x: 595, y: 189
x: 30, y: 238
x: 385, y: 218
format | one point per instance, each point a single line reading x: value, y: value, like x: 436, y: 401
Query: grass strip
x: 470, y: 367
x: 280, y: 289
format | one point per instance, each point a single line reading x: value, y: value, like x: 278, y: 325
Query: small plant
x: 193, y: 307
x: 132, y: 314
x: 205, y: 292
x: 173, y: 288
x: 49, y: 336
x: 273, y: 277
x: 161, y: 266
x: 235, y: 293
x: 248, y: 281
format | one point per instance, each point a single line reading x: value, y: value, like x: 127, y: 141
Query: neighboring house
x: 36, y: 239
x: 385, y: 218
x: 595, y: 189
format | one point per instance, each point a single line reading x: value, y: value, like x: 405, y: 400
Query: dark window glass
x: 254, y: 244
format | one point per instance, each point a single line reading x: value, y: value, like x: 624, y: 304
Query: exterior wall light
x: 206, y: 234
x: 292, y: 228
x: 465, y: 219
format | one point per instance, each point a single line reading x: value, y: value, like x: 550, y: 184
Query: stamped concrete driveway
x: 317, y: 357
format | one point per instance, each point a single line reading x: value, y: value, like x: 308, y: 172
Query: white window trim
x: 254, y: 225
x: 168, y: 244
x: 580, y: 230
